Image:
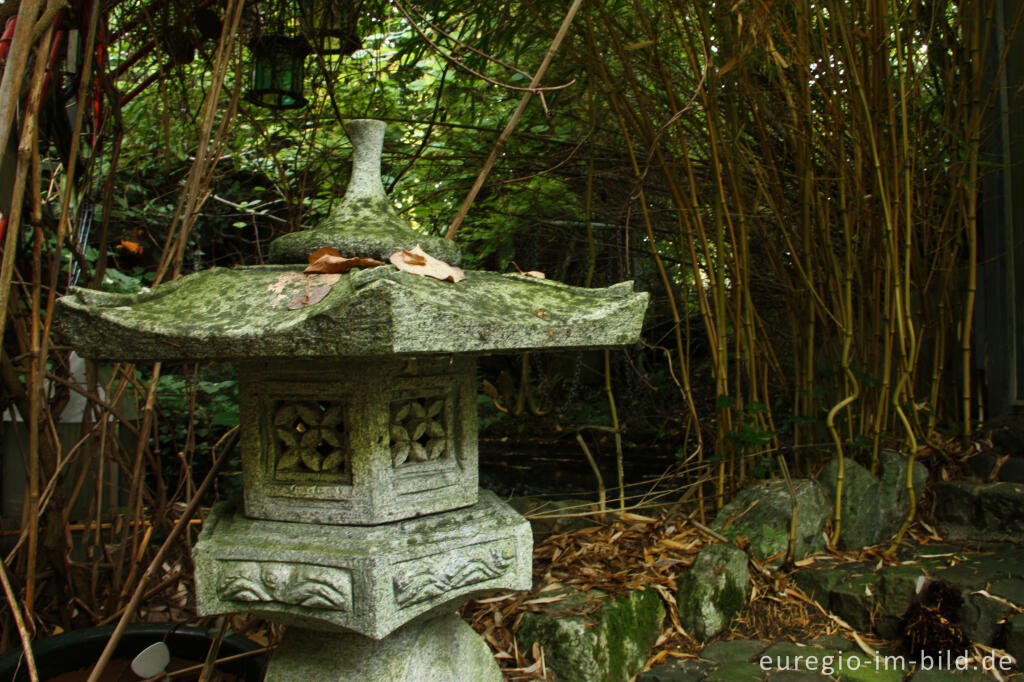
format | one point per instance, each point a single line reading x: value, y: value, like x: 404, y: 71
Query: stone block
x: 358, y: 442
x: 608, y: 643
x: 737, y: 672
x: 873, y: 508
x: 367, y: 579
x: 676, y: 670
x: 1008, y: 441
x: 980, y: 511
x: 733, y: 650
x: 982, y: 464
x: 1012, y: 470
x: 893, y: 480
x: 761, y: 513
x: 713, y: 590
x: 1014, y: 634
x: 862, y: 523
x: 443, y: 649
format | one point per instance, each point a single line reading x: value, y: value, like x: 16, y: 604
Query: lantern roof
x: 276, y: 311
x: 419, y: 304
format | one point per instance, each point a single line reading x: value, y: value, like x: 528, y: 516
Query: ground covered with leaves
x: 623, y: 551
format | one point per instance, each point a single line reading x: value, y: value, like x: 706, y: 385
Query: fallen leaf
x: 284, y: 281
x: 311, y: 296
x: 325, y: 251
x: 414, y: 257
x: 330, y: 261
x: 419, y: 262
x: 301, y: 290
x: 546, y: 600
x: 529, y: 273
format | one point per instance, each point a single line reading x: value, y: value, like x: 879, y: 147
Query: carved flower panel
x: 418, y: 432
x: 309, y: 436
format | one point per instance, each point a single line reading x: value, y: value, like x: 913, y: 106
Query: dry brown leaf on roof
x: 529, y: 273
x: 419, y: 262
x: 301, y: 290
x: 309, y: 297
x: 330, y: 261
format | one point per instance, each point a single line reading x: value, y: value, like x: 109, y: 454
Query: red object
x: 3, y: 226
x: 51, y: 62
x: 97, y: 96
x: 5, y: 39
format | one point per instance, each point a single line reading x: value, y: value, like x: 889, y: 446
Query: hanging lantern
x: 277, y: 71
x: 331, y: 25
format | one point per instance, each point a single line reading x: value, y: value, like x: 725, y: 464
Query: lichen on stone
x: 268, y: 311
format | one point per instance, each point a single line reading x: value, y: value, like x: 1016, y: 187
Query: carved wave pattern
x: 313, y: 587
x: 433, y: 581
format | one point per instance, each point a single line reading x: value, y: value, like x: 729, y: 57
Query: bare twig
x: 14, y: 70
x: 155, y: 564
x: 516, y: 115
x: 26, y: 638
x: 455, y: 61
x: 602, y: 495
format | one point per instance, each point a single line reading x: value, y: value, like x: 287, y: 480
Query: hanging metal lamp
x: 278, y: 65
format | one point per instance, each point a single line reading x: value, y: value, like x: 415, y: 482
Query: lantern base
x: 367, y: 579
x: 443, y: 648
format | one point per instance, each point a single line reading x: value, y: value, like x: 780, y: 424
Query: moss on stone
x: 609, y: 644
x: 732, y: 597
x: 246, y: 313
x: 762, y: 512
x: 364, y: 223
x: 713, y: 590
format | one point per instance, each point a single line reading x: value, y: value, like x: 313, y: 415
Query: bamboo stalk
x: 28, y: 156
x: 615, y: 425
x: 14, y: 72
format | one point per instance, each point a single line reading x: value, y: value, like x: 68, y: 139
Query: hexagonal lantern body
x: 367, y: 579
x: 358, y: 441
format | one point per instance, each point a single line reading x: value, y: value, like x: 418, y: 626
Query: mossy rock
x: 860, y: 668
x: 980, y: 511
x: 873, y: 508
x: 713, y: 590
x: 591, y: 637
x: 860, y: 512
x: 737, y: 672
x: 761, y: 513
x: 733, y: 650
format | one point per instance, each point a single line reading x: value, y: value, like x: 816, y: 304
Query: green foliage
x: 197, y: 407
x: 488, y: 414
x: 119, y: 282
x: 751, y: 434
x: 764, y: 467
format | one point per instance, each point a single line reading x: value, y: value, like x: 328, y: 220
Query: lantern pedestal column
x: 442, y: 648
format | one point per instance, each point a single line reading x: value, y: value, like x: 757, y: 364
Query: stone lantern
x: 362, y: 527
